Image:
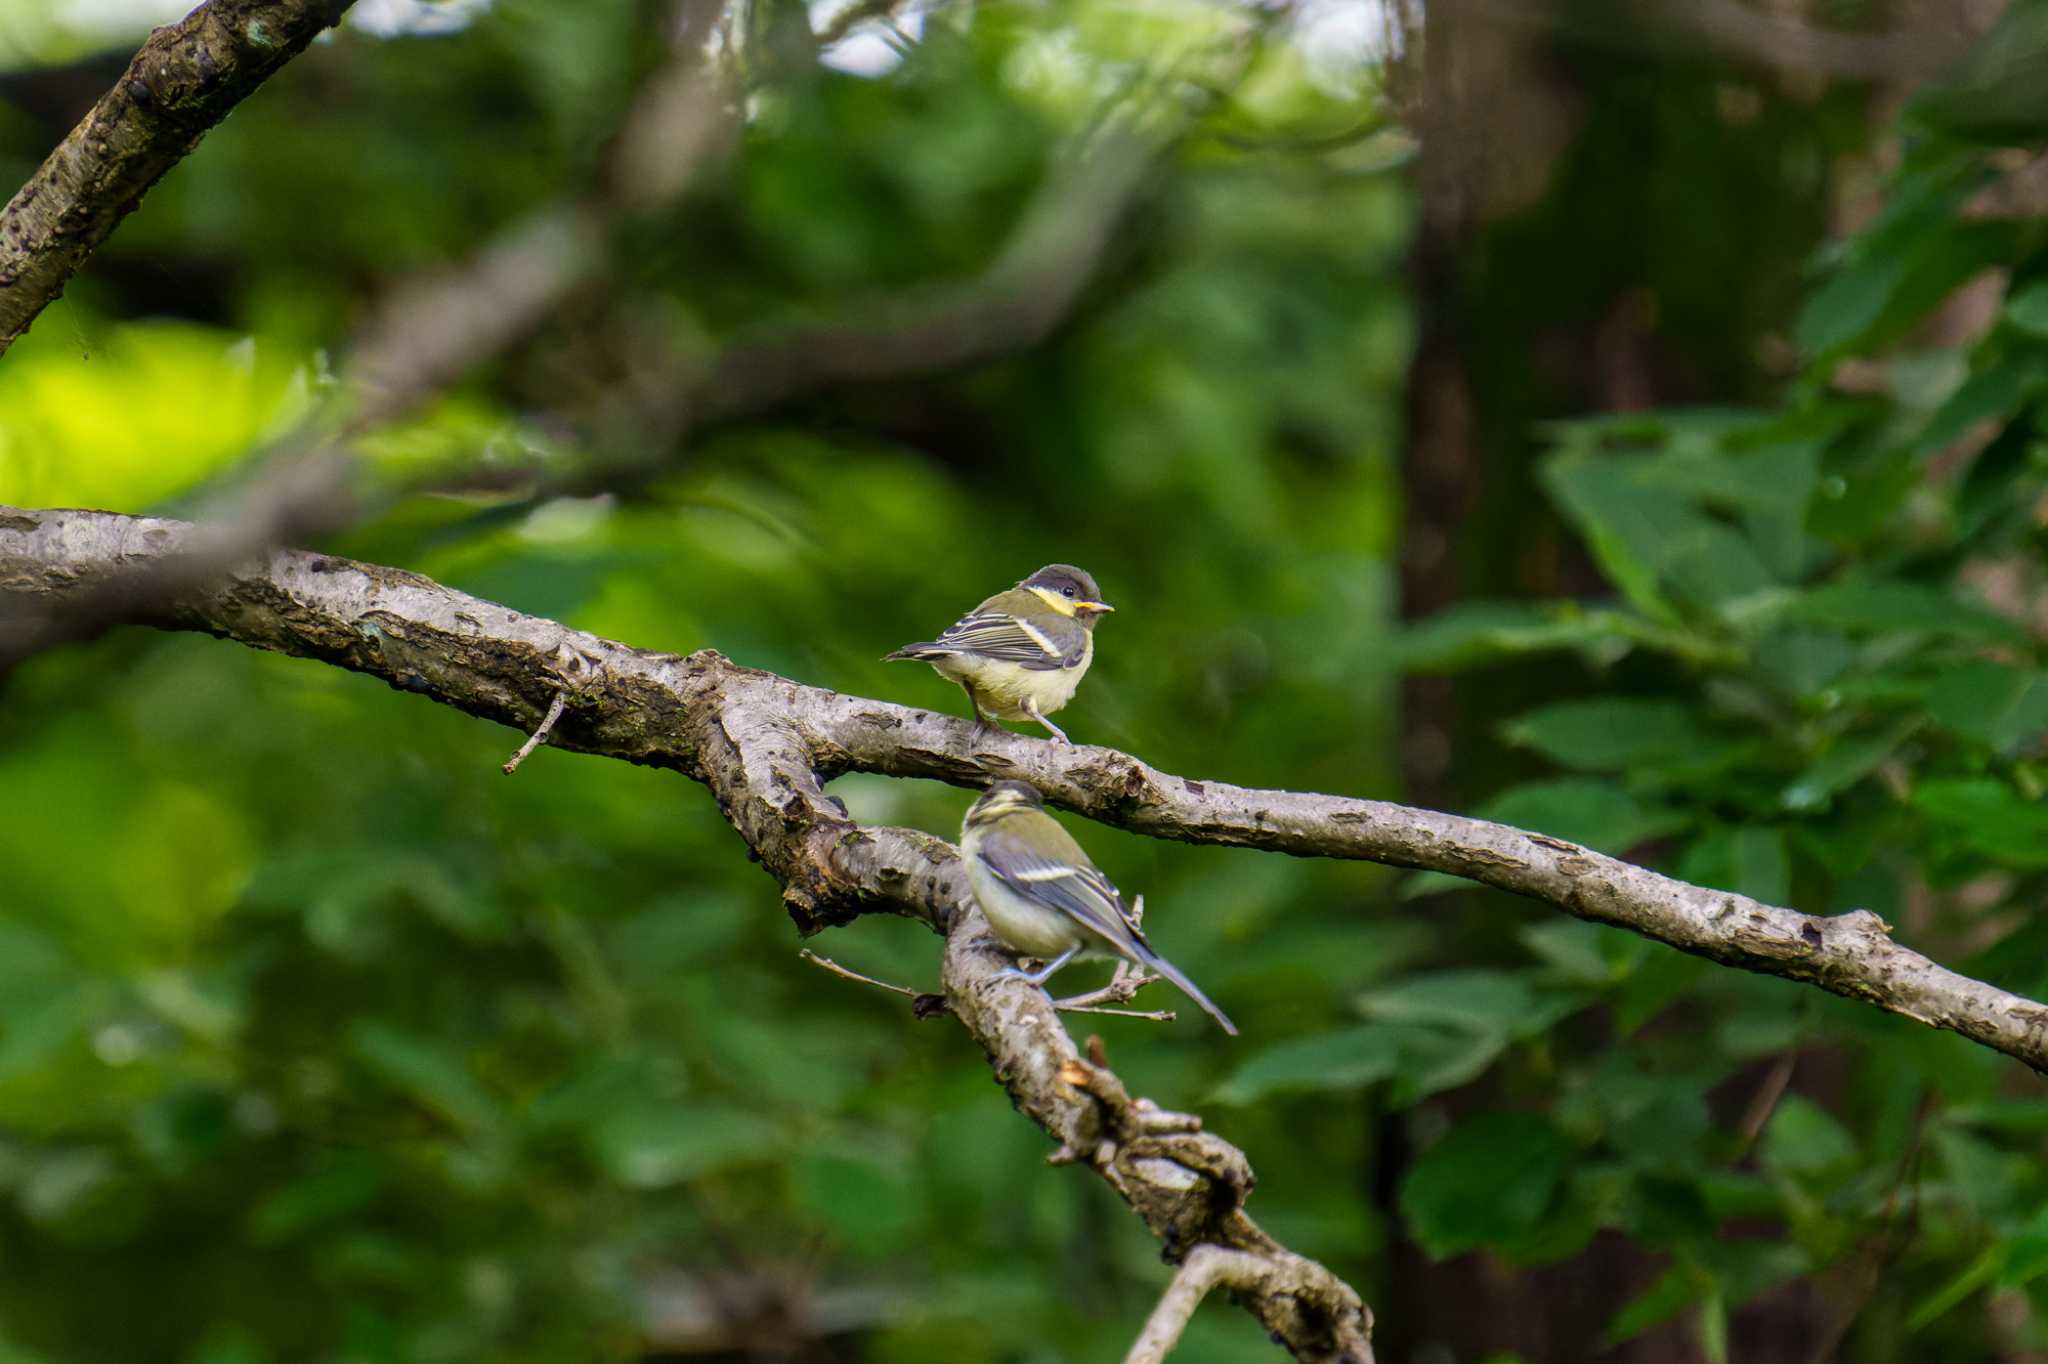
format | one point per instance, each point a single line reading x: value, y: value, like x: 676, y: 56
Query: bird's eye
x: 1068, y: 590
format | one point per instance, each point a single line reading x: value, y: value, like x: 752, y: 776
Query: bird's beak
x: 1093, y: 606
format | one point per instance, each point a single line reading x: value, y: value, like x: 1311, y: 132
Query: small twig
x: 853, y: 16
x: 1154, y: 1015
x: 1205, y: 1268
x: 836, y: 969
x: 539, y: 736
x: 1888, y: 1246
x: 1122, y: 987
x: 1766, y: 1099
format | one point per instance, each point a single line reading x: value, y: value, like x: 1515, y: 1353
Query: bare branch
x: 539, y: 736
x: 1755, y: 36
x: 182, y: 82
x: 846, y: 973
x: 765, y: 745
x: 745, y: 735
x: 1206, y: 1267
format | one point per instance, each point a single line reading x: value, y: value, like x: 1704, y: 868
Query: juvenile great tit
x: 1020, y: 654
x: 1045, y: 899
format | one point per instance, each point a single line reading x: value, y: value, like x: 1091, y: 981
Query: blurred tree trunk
x: 1654, y: 214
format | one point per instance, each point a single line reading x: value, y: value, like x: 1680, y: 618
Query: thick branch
x: 1205, y: 1269
x: 764, y: 743
x: 184, y: 80
x: 743, y: 734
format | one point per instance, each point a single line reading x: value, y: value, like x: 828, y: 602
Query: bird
x: 1020, y: 654
x: 1045, y: 899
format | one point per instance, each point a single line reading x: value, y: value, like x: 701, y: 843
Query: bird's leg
x: 1031, y: 709
x: 1043, y: 973
x: 982, y: 724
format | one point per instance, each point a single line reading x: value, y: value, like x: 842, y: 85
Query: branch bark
x: 183, y: 81
x: 749, y: 737
x: 765, y: 744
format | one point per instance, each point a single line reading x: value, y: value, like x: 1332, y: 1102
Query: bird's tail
x: 1155, y: 962
x: 925, y: 650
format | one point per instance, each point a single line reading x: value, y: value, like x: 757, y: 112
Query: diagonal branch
x: 183, y: 81
x: 765, y: 744
x: 1206, y: 1268
x: 744, y: 734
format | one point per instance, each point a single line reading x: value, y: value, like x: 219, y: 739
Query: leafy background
x: 322, y: 1040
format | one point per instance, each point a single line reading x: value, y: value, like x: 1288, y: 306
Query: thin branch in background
x: 1888, y: 1247
x: 1763, y: 37
x: 845, y: 973
x: 842, y: 24
x: 183, y: 81
x: 539, y: 736
x: 1765, y: 1101
x: 1206, y: 1268
x: 655, y: 709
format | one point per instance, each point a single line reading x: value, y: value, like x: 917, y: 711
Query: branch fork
x: 765, y: 746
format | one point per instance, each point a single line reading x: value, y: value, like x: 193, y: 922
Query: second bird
x: 1020, y: 654
x: 1045, y: 899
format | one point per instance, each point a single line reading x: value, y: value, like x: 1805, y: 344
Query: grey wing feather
x: 1001, y: 636
x: 1090, y: 899
x: 1084, y: 894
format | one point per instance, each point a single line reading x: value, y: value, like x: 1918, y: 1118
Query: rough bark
x: 182, y: 82
x: 765, y: 745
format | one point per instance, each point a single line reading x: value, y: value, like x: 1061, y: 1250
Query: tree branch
x: 1205, y: 1268
x: 765, y: 744
x: 748, y: 736
x: 183, y: 81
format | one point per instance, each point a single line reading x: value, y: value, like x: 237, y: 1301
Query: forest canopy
x: 1620, y: 428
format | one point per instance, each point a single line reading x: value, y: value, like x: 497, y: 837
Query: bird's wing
x: 1073, y: 887
x: 1040, y: 646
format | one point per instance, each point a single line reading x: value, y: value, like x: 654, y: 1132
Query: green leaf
x: 1649, y: 537
x: 1598, y: 814
x: 1679, y: 1287
x: 1952, y: 1294
x: 1995, y: 704
x: 1614, y: 734
x: 1475, y: 634
x: 1595, y: 813
x: 1986, y: 816
x: 1803, y: 1138
x: 1848, y: 762
x: 1749, y: 860
x: 1435, y: 1059
x: 1489, y: 1182
x: 1584, y: 954
x: 655, y: 1146
x: 1469, y: 1001
x: 1883, y: 608
x: 875, y: 1206
x: 1849, y: 304
x: 345, y: 1185
x: 422, y: 1069
x: 1991, y: 394
x: 2028, y: 309
x: 1350, y: 1058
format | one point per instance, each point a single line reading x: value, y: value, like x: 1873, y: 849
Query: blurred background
x: 1619, y: 420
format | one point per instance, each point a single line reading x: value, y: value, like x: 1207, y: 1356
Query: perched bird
x: 1044, y: 898
x: 1020, y: 654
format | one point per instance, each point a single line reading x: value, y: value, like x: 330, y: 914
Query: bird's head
x: 1068, y: 590
x: 1004, y: 798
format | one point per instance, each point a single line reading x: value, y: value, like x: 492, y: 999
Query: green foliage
x: 332, y: 1043
x: 327, y: 1042
x: 1822, y: 685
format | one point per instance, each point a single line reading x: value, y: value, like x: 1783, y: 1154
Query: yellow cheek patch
x: 1053, y: 599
